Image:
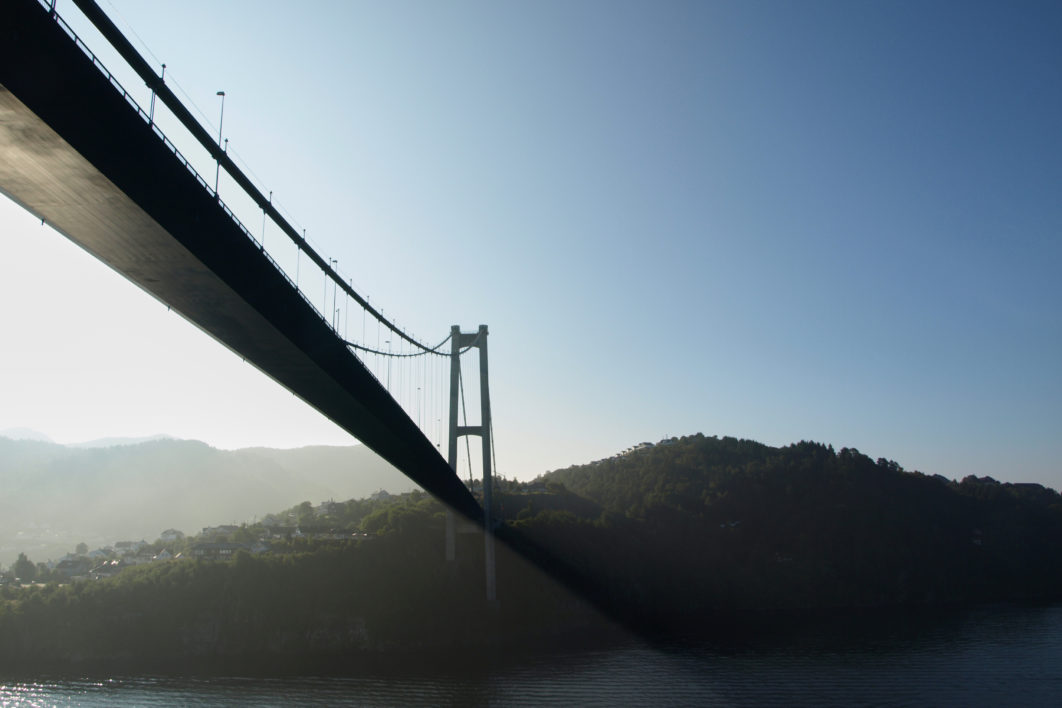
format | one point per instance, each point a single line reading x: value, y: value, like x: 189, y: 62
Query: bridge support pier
x: 458, y: 343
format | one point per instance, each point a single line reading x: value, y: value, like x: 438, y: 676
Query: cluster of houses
x: 106, y: 562
x: 217, y: 542
x: 214, y: 545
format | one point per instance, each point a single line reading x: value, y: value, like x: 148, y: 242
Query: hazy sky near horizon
x: 835, y: 221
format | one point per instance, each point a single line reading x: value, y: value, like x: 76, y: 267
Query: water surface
x: 988, y: 656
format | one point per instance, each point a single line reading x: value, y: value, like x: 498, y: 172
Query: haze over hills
x: 24, y: 434
x: 57, y: 496
x: 31, y: 434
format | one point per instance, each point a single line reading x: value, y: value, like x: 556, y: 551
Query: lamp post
x: 221, y: 121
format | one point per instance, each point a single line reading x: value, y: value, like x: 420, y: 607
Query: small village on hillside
x: 328, y: 522
x: 212, y: 543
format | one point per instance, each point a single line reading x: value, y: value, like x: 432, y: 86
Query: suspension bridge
x: 79, y: 152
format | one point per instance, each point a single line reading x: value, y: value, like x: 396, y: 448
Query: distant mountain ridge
x: 116, y: 442
x: 57, y: 495
x: 38, y: 436
x: 24, y: 434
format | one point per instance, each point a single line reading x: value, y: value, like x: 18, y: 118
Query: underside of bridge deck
x: 75, y: 153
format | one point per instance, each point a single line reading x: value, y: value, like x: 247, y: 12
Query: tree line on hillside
x: 691, y: 536
x: 709, y: 525
x: 300, y: 527
x: 306, y: 604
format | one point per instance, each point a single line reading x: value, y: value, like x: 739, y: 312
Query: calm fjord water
x: 989, y: 656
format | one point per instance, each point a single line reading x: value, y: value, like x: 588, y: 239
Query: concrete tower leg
x: 488, y: 479
x: 455, y: 382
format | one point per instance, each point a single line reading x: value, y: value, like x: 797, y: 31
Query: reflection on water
x: 986, y: 657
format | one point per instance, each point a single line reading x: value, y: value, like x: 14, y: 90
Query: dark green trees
x: 24, y: 568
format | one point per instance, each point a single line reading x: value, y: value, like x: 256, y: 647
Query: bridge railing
x: 149, y: 120
x: 129, y: 98
x: 156, y: 82
x: 374, y: 359
x: 80, y: 44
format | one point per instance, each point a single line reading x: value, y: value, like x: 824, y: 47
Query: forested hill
x: 694, y: 535
x: 706, y: 476
x: 713, y: 523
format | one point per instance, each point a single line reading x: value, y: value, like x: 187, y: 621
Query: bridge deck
x: 74, y: 153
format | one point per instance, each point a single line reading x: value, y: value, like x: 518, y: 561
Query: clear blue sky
x: 837, y: 221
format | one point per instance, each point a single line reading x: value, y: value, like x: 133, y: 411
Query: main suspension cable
x: 157, y: 83
x: 399, y: 355
x: 436, y: 350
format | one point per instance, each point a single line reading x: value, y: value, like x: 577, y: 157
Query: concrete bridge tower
x: 459, y: 342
